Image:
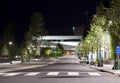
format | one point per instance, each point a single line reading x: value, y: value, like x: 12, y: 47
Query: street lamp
x: 10, y: 57
x: 29, y: 51
x: 10, y: 43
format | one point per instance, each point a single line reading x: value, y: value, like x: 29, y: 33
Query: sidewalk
x: 106, y: 68
x: 7, y: 67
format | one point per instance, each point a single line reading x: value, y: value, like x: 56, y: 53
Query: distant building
x: 69, y: 43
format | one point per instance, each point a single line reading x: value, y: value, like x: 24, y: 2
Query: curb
x: 103, y: 70
x: 109, y: 72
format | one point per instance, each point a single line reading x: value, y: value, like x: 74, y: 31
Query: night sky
x: 59, y: 15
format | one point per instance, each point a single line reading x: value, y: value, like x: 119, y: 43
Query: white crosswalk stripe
x: 73, y: 73
x: 32, y: 74
x: 52, y: 74
x: 11, y: 74
x: 2, y: 73
x: 94, y: 74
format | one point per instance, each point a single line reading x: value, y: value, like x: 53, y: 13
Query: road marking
x: 32, y: 73
x: 94, y: 74
x: 11, y: 74
x: 73, y: 73
x: 52, y: 74
x: 2, y: 73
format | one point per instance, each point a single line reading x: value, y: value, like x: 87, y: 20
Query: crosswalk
x: 51, y: 74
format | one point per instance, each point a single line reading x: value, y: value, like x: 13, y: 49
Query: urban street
x: 66, y: 69
x: 60, y: 41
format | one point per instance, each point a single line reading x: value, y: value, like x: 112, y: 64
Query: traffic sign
x: 118, y: 50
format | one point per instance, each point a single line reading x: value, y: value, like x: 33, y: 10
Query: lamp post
x: 29, y: 54
x: 10, y: 53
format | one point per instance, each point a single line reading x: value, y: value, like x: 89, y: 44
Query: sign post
x: 118, y: 54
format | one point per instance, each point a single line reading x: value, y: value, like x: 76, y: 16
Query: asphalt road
x: 65, y: 70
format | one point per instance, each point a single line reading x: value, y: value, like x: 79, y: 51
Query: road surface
x: 65, y: 70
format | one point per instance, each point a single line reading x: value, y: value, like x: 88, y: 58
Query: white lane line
x: 73, y: 73
x: 2, y: 73
x: 32, y: 74
x: 94, y: 74
x: 11, y: 74
x: 52, y: 74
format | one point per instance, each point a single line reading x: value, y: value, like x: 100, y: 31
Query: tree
x: 113, y: 17
x: 35, y: 29
x: 9, y: 39
x: 59, y: 46
x: 80, y: 50
x: 93, y: 41
x: 1, y: 46
x: 9, y: 32
x: 106, y: 19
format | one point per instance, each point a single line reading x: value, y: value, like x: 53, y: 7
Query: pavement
x: 105, y: 68
x: 6, y: 67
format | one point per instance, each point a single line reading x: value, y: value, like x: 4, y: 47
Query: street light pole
x: 28, y: 54
x: 10, y: 57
